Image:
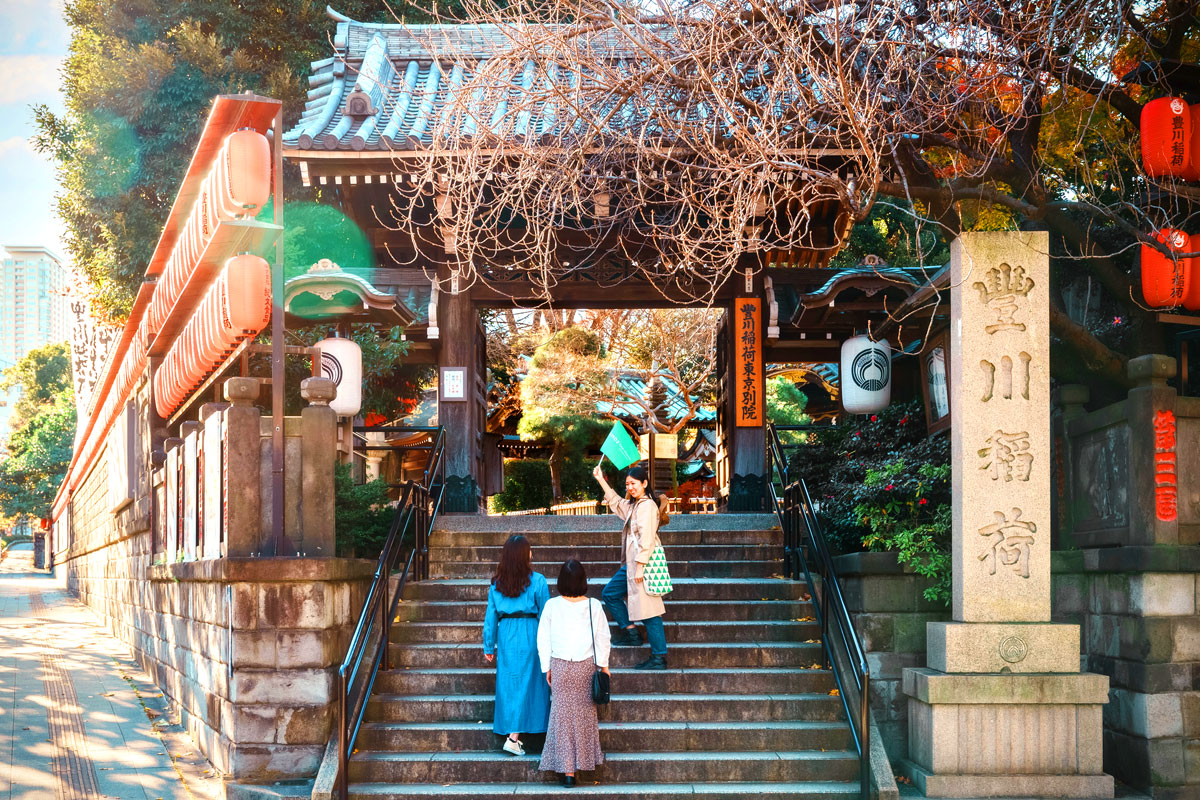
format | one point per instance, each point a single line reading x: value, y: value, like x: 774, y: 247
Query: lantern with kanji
x: 866, y: 375
x: 1167, y: 280
x: 341, y: 362
x: 1166, y: 137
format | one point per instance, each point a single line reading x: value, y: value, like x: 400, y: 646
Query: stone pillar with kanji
x: 1002, y: 709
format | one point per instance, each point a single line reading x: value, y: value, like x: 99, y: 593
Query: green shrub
x: 881, y: 483
x: 362, y: 515
x: 527, y: 483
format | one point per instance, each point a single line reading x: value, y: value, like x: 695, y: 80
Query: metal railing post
x: 343, y: 782
x: 864, y: 723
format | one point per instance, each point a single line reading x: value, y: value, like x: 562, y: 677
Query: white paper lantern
x: 866, y: 375
x: 341, y: 362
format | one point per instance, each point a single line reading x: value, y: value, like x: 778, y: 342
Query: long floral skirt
x: 573, y: 736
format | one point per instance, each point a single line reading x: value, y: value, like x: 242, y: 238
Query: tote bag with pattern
x: 658, y: 580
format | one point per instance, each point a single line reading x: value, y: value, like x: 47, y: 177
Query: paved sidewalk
x: 78, y: 717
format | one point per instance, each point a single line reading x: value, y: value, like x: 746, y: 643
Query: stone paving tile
x: 78, y: 717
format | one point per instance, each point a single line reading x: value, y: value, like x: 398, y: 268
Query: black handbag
x: 601, y: 684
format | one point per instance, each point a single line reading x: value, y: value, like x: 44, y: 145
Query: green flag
x: 619, y: 448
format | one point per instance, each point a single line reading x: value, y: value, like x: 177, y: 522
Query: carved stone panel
x: 1100, y: 480
x: 999, y: 361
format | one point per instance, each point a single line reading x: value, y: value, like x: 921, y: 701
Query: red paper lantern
x: 1166, y: 137
x: 236, y: 307
x: 243, y: 174
x: 1191, y: 171
x: 1167, y: 281
x: 1191, y: 292
x: 237, y: 185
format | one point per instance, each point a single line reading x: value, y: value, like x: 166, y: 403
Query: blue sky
x: 30, y: 58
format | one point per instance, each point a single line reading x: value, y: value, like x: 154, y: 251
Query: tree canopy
x: 42, y: 431
x: 138, y: 81
x: 713, y: 132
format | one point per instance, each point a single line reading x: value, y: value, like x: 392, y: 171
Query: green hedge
x: 527, y: 483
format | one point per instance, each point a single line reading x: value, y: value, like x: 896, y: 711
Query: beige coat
x: 639, y: 538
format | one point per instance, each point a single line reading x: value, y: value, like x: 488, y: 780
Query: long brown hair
x: 515, y: 566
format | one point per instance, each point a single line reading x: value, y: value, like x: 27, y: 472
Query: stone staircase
x: 742, y: 711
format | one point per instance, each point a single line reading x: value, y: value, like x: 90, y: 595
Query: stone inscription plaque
x: 999, y: 357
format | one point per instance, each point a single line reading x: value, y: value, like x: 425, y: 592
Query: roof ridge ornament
x: 337, y: 16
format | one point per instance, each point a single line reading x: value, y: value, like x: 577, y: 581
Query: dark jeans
x: 614, y: 595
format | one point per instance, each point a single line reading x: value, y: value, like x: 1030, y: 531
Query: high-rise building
x: 33, y: 310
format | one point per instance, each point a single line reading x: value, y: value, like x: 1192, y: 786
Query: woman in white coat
x: 625, y: 596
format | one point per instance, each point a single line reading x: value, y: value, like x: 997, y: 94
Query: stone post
x: 1149, y: 404
x: 1070, y: 400
x: 1002, y: 709
x: 243, y: 495
x: 318, y: 453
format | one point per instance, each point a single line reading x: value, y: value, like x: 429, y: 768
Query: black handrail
x: 803, y: 541
x: 417, y: 509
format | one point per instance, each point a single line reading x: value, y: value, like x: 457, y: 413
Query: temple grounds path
x: 78, y: 718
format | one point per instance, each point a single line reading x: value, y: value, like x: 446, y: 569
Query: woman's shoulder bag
x: 601, y: 685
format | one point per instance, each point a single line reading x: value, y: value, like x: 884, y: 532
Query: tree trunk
x: 556, y: 457
x: 1095, y: 355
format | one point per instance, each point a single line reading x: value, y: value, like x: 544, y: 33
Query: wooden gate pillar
x: 461, y: 399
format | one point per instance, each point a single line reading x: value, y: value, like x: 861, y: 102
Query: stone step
x: 678, y: 610
x: 611, y: 551
x: 648, y: 767
x: 748, y: 654
x: 482, y: 680
x: 749, y: 708
x: 475, y: 589
x: 670, y: 537
x: 461, y: 523
x: 808, y: 790
x: 677, y: 632
x: 600, y: 572
x: 615, y: 737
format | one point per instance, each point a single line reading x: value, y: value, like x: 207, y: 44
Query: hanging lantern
x: 341, y: 362
x: 1191, y: 291
x: 1166, y: 137
x: 243, y: 174
x: 1167, y: 281
x: 866, y: 375
x: 236, y: 307
x: 1191, y: 170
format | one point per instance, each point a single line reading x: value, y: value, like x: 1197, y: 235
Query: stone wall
x: 245, y: 648
x: 890, y: 611
x: 1129, y: 570
x: 1139, y: 611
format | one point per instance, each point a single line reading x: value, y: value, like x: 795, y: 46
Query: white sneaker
x: 513, y: 747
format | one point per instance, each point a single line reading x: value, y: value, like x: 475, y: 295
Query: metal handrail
x: 417, y: 508
x: 805, y: 549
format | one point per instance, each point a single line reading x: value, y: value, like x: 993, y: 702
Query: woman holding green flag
x: 625, y: 596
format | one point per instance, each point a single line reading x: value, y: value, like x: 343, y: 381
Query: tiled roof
x: 634, y: 385
x: 389, y: 86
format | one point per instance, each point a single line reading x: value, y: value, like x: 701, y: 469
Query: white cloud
x: 16, y: 145
x: 29, y: 78
x: 34, y: 26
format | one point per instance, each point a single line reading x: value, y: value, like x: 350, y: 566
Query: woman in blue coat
x: 515, y: 602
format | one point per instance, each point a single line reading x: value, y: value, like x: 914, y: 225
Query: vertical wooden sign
x: 748, y: 385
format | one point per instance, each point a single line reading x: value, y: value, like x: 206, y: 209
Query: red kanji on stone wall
x: 1165, y: 483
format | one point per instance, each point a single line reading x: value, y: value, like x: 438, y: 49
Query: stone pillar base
x: 1027, y: 647
x: 1006, y: 735
x: 1075, y: 786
